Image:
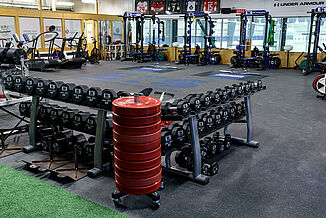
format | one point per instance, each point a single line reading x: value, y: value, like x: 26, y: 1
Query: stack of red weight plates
x: 137, y: 144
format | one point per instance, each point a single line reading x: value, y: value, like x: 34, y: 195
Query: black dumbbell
x: 223, y: 95
x: 211, y: 146
x: 239, y: 110
x: 201, y: 126
x: 93, y: 96
x: 62, y: 144
x: 220, y: 147
x: 203, y: 149
x: 215, y: 97
x: 79, y: 141
x: 178, y: 135
x: 210, y: 169
x: 166, y: 140
x: 231, y: 92
x: 41, y: 87
x: 78, y: 121
x: 91, y: 124
x: 30, y: 85
x: 67, y: 117
x: 186, y: 129
x: 79, y: 94
x: 65, y: 91
x: 108, y: 96
x: 194, y: 103
x: 227, y: 141
x: 44, y: 112
x: 55, y: 114
x: 53, y: 89
x: 9, y: 82
x: 209, y: 122
x: 232, y: 110
x: 184, y: 158
x: 224, y: 114
x: 205, y: 100
x: 19, y: 84
x: 122, y: 94
x: 239, y: 91
x: 217, y: 117
x: 25, y: 109
x: 178, y: 107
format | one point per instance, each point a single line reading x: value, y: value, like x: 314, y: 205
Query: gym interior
x: 162, y: 108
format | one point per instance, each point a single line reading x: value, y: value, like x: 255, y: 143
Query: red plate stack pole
x: 137, y: 144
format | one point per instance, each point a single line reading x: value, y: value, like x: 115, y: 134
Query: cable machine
x: 261, y: 59
x: 311, y: 63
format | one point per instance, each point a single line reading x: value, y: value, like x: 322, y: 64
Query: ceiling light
x: 89, y: 1
x: 65, y: 4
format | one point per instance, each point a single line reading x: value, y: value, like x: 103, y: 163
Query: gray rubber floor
x: 285, y: 177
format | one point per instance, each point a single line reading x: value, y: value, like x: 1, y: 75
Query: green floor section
x: 22, y: 195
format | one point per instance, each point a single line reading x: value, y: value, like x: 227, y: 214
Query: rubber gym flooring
x: 285, y: 177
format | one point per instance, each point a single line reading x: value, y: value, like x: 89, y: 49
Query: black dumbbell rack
x: 196, y: 175
x: 99, y: 138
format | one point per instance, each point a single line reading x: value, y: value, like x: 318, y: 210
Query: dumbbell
x: 65, y: 91
x: 166, y: 140
x: 239, y: 110
x: 55, y: 114
x: 223, y: 95
x: 78, y: 121
x: 232, y: 110
x: 45, y: 135
x: 211, y: 146
x: 201, y: 126
x: 178, y: 135
x: 79, y: 94
x: 205, y: 100
x: 44, y: 112
x: 93, y: 96
x: 91, y: 124
x: 108, y: 96
x: 203, y: 149
x: 224, y: 114
x: 25, y: 109
x: 67, y: 117
x: 209, y: 168
x: 208, y: 120
x: 217, y: 117
x: 215, y: 97
x: 41, y: 87
x: 184, y: 158
x: 231, y: 92
x: 194, y: 103
x: 122, y: 94
x: 220, y: 146
x: 53, y: 89
x: 259, y: 85
x: 239, y: 91
x: 19, y: 84
x: 61, y: 144
x: 30, y: 85
x: 9, y: 82
x: 178, y: 107
x: 226, y: 140
x: 186, y: 129
x: 79, y: 141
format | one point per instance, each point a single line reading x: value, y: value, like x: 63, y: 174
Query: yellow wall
x: 19, y: 12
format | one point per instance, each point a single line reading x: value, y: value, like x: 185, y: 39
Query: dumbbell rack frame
x: 196, y: 175
x: 99, y: 138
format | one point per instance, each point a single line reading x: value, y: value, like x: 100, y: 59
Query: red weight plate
x: 133, y: 147
x: 137, y: 121
x: 137, y: 156
x: 128, y: 106
x: 137, y: 130
x: 138, y: 174
x: 137, y: 138
x: 138, y: 190
x: 137, y: 165
x: 138, y: 182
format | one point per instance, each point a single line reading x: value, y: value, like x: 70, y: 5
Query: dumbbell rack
x: 99, y: 138
x: 196, y: 175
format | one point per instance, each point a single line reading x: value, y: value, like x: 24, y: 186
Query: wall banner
x: 293, y: 5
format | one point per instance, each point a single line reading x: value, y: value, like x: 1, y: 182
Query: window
x: 297, y: 33
x: 217, y: 39
x: 231, y: 33
x: 257, y: 32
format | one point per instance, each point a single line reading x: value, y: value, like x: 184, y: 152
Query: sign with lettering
x: 294, y: 5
